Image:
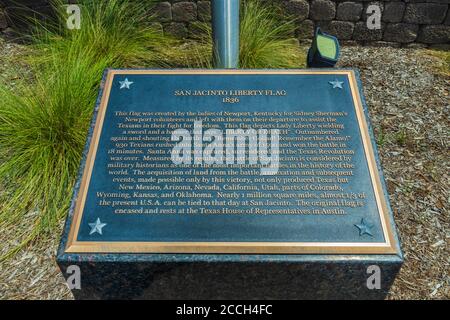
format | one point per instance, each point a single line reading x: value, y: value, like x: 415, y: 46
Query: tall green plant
x: 44, y: 123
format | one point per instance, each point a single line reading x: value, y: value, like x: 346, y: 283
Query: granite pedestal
x: 317, y: 225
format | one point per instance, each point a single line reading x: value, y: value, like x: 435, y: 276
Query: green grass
x: 266, y: 40
x: 43, y: 124
x: 444, y: 56
x: 401, y: 137
x: 381, y: 138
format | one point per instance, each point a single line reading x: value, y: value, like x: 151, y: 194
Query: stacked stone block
x: 403, y: 22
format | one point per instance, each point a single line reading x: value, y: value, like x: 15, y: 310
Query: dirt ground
x: 408, y: 98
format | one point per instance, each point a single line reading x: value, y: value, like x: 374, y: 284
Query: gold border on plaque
x: 387, y: 247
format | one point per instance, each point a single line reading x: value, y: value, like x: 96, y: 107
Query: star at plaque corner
x: 364, y: 228
x: 336, y: 84
x: 125, y: 84
x: 96, y: 227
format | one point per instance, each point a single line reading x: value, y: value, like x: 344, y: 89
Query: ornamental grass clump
x: 44, y: 121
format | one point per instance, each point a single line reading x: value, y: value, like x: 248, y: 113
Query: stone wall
x: 410, y: 23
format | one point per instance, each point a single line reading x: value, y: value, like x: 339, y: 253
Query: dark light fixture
x: 324, y: 51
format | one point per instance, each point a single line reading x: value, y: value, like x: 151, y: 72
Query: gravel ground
x: 408, y: 98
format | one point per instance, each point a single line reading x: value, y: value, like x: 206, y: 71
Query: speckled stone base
x: 231, y: 276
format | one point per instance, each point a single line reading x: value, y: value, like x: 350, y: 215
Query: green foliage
x: 266, y: 40
x: 401, y: 137
x: 44, y: 122
x: 444, y: 56
x: 381, y: 138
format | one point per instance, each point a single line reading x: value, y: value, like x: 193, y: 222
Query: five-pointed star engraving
x: 336, y: 84
x: 364, y: 228
x: 125, y: 84
x: 96, y: 226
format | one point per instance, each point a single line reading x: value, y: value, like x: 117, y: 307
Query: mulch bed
x: 408, y: 99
